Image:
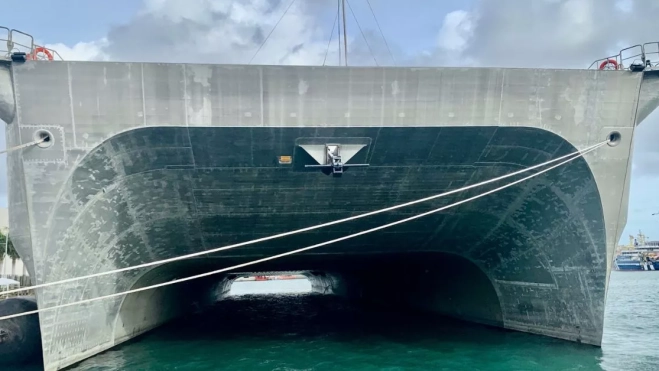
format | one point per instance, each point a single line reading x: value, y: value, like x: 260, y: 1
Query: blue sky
x: 67, y: 21
x: 72, y: 21
x: 513, y: 33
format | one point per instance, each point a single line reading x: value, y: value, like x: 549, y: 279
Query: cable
x: 273, y: 257
x: 345, y: 32
x: 381, y: 33
x: 271, y: 31
x: 34, y: 142
x: 338, y: 31
x: 362, y: 32
x: 306, y: 229
x: 330, y: 39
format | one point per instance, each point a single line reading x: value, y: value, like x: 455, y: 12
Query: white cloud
x: 178, y: 10
x: 577, y: 22
x: 456, y: 31
x: 225, y: 31
x: 219, y: 31
x: 82, y: 51
x: 211, y: 31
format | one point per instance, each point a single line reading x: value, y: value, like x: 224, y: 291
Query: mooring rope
x: 273, y: 257
x: 306, y: 229
x: 32, y: 143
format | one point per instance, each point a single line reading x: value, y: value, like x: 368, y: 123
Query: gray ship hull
x: 151, y: 161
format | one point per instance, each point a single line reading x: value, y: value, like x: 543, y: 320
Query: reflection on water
x: 314, y: 332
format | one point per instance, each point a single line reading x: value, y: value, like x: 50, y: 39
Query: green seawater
x: 298, y: 331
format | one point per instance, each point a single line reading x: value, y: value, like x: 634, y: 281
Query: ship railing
x: 13, y: 41
x: 651, y: 51
x: 646, y: 55
x: 606, y: 63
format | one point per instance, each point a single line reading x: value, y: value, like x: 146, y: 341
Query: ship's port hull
x: 154, y: 161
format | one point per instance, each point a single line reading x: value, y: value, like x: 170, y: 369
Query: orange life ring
x: 40, y: 49
x: 607, y: 62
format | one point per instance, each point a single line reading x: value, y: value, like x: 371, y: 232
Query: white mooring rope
x: 306, y: 229
x: 273, y: 257
x: 32, y: 143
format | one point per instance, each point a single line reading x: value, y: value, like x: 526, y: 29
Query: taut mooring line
x: 306, y: 229
x: 273, y: 257
x: 32, y: 143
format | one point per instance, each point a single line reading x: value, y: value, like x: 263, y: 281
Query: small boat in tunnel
x: 149, y: 161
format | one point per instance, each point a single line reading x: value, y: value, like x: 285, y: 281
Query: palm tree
x: 11, y: 251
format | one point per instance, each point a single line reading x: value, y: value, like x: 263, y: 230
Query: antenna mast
x: 345, y: 39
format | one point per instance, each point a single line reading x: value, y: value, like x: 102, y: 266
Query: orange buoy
x: 42, y: 50
x: 607, y: 62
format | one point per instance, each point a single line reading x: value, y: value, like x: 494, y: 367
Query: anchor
x: 333, y: 161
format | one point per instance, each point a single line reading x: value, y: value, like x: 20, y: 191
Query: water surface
x: 299, y: 331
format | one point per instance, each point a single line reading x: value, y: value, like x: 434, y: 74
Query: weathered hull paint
x: 151, y: 161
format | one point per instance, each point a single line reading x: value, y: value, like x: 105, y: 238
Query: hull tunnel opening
x: 270, y: 283
x: 422, y: 283
x: 532, y: 257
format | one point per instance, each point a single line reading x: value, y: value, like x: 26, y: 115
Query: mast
x: 345, y: 39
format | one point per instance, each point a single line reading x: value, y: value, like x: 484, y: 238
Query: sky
x: 501, y: 33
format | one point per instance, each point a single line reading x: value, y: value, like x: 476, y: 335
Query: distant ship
x: 636, y: 262
x: 644, y: 256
